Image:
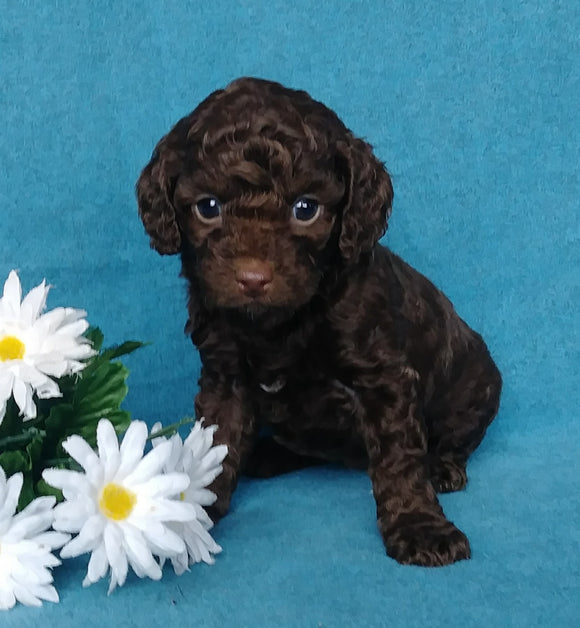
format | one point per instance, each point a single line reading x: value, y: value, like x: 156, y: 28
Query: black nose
x: 254, y: 277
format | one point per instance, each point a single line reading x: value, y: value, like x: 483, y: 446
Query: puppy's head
x: 262, y: 190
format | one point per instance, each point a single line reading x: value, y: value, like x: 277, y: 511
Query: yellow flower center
x: 11, y: 348
x: 182, y: 495
x: 116, y: 502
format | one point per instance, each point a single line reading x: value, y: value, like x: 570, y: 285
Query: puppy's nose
x: 253, y: 277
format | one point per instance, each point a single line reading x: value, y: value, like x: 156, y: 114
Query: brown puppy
x: 304, y: 322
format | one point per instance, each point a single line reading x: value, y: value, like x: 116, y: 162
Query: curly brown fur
x: 335, y: 343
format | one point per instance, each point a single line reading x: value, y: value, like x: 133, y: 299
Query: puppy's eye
x: 208, y: 208
x: 306, y: 210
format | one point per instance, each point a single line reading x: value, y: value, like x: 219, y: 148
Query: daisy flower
x: 120, y: 505
x: 35, y: 347
x: 25, y: 547
x: 202, y: 462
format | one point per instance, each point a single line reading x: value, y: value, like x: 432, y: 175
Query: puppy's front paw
x: 428, y: 544
x: 216, y: 511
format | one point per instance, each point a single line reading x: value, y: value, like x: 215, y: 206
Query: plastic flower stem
x: 169, y: 430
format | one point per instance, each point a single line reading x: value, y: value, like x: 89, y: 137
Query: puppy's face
x: 262, y: 190
x: 260, y: 221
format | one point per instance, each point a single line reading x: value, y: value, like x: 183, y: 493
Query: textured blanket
x: 474, y: 107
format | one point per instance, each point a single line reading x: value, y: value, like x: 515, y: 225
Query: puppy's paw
x: 428, y: 545
x: 447, y: 476
x: 216, y: 511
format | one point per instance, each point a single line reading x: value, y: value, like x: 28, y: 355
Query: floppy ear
x: 155, y: 190
x: 369, y: 198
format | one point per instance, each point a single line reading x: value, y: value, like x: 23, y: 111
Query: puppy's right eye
x: 208, y: 209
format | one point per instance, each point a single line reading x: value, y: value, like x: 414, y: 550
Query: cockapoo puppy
x: 304, y: 322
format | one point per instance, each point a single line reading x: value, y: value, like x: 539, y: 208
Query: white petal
x: 108, y: 445
x: 163, y: 540
x: 156, y: 427
x: 140, y: 556
x: 7, y: 598
x: 53, y: 365
x: 24, y: 596
x: 49, y: 322
x: 75, y: 510
x: 199, y: 482
x: 168, y: 485
x: 201, y: 496
x: 150, y: 465
x: 48, y: 390
x: 74, y: 328
x: 98, y: 565
x: 164, y: 510
x: 13, y: 488
x: 132, y: 448
x: 33, y: 304
x: 175, y: 459
x: 87, y: 539
x: 203, y: 517
x: 6, y: 382
x: 180, y: 563
x: 71, y: 481
x: 28, y: 373
x: 52, y: 540
x: 40, y: 504
x: 24, y: 527
x: 13, y: 293
x: 23, y: 397
x: 28, y: 570
x: 113, y: 538
x: 47, y: 593
x: 200, y: 544
x: 81, y: 451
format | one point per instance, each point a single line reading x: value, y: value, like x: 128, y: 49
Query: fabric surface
x: 474, y: 108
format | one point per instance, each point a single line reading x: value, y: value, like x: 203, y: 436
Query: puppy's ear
x: 369, y: 198
x: 155, y: 191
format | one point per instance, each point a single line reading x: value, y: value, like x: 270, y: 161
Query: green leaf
x: 107, y: 377
x: 42, y: 488
x: 12, y: 423
x: 27, y: 493
x: 121, y: 419
x: 117, y: 351
x: 59, y: 418
x: 13, y: 461
x: 95, y: 335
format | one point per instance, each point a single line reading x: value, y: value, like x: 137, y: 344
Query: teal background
x: 474, y: 108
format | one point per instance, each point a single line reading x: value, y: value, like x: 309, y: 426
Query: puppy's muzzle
x: 253, y: 277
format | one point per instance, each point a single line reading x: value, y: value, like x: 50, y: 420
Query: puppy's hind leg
x: 458, y: 419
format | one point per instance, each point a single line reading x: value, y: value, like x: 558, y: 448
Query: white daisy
x: 202, y: 462
x: 25, y: 547
x: 120, y: 505
x: 35, y: 347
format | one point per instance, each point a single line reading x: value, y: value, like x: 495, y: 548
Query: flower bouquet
x: 65, y: 479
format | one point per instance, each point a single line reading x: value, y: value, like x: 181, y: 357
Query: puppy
x: 304, y: 323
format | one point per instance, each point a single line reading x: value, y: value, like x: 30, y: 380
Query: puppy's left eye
x: 208, y: 209
x: 306, y: 210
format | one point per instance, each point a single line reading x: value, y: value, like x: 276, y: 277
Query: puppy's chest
x: 302, y: 386
x: 296, y: 362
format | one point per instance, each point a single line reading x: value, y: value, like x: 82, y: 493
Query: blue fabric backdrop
x: 474, y: 108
